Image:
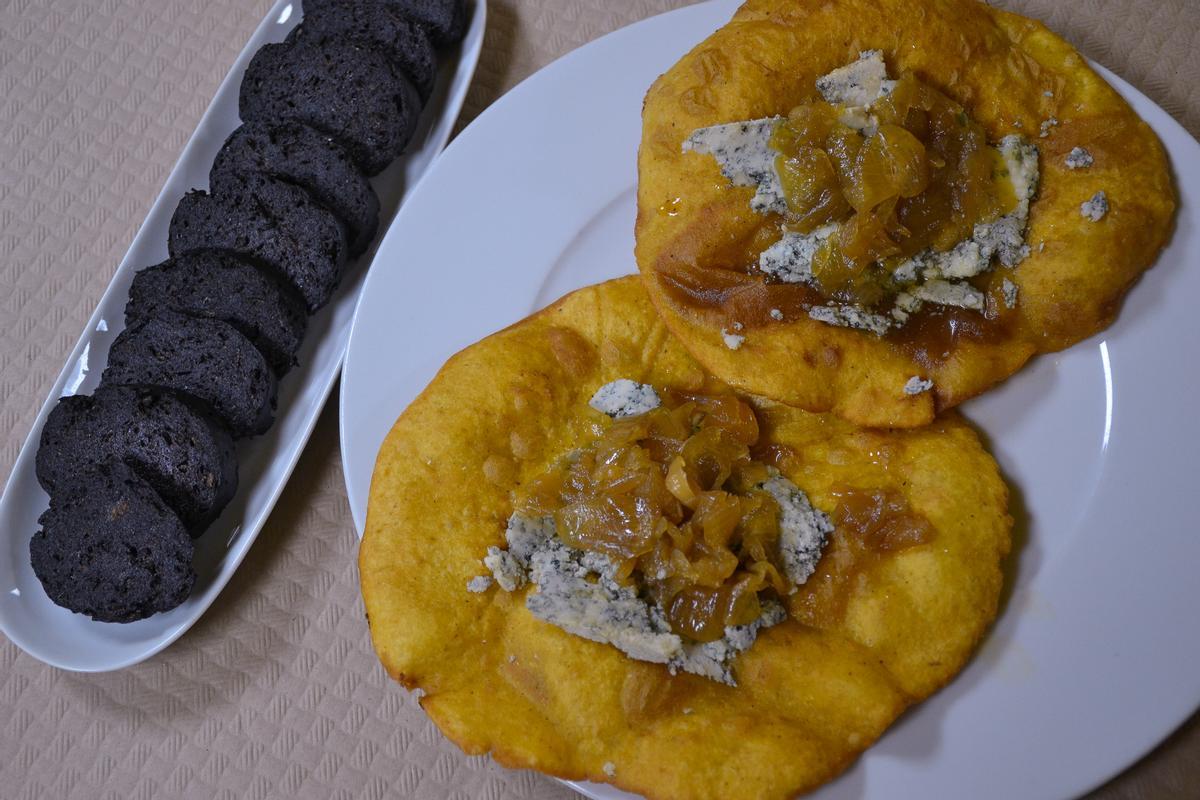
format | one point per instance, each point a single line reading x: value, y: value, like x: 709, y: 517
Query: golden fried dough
x: 810, y: 696
x: 1012, y: 75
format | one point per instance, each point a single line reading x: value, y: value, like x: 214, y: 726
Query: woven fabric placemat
x: 276, y: 691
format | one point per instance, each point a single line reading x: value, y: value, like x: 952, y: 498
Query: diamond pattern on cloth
x: 276, y: 691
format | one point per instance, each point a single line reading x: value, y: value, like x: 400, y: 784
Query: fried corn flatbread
x: 1013, y: 76
x: 879, y: 635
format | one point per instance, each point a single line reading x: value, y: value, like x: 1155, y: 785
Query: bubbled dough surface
x: 497, y: 679
x: 998, y: 65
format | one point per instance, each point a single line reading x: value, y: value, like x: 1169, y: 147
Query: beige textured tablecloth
x: 276, y: 691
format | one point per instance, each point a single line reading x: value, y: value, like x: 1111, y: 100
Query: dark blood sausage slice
x: 348, y: 90
x: 185, y: 455
x: 270, y: 222
x: 223, y: 286
x: 301, y: 155
x: 403, y: 41
x: 445, y: 20
x: 109, y: 547
x: 205, y: 358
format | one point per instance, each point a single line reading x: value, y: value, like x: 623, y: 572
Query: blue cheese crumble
x: 906, y: 304
x: 859, y: 83
x: 917, y: 385
x: 599, y: 609
x: 946, y: 293
x: 803, y: 529
x: 855, y: 88
x: 625, y: 398
x: 790, y: 259
x: 743, y: 151
x: 851, y: 316
x: 1079, y: 158
x: 1009, y: 290
x: 732, y: 340
x: 506, y: 569
x: 1095, y: 208
x: 577, y: 590
x: 479, y: 584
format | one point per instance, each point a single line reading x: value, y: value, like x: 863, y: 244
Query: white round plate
x: 1093, y: 659
x: 73, y: 641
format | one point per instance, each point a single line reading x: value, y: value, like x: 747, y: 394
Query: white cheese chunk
x: 776, y: 314
x: 1009, y: 290
x: 916, y: 385
x: 625, y: 398
x: 526, y: 534
x: 945, y: 293
x: 859, y: 83
x: 962, y: 261
x: 479, y: 584
x: 790, y: 259
x: 905, y: 305
x: 1096, y: 208
x: 803, y: 529
x: 602, y: 611
x: 851, y: 316
x: 1004, y: 238
x: 1079, y: 158
x: 907, y: 302
x: 1021, y: 161
x: 743, y: 152
x: 910, y: 271
x: 855, y: 88
x: 506, y: 569
x: 732, y: 340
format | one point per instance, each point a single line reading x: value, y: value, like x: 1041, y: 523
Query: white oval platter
x: 72, y: 641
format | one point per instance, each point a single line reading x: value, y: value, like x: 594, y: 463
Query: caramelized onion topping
x: 871, y: 525
x: 672, y: 497
x: 918, y: 173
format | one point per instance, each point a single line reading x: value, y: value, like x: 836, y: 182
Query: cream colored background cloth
x: 276, y: 691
